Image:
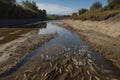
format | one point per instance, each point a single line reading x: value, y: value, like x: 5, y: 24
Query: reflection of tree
x: 42, y: 25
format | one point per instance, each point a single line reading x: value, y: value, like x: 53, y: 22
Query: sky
x: 63, y: 7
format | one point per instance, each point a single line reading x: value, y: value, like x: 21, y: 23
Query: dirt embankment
x: 13, y: 51
x: 103, y: 36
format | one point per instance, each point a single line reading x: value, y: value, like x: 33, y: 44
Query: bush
x: 9, y: 11
x: 82, y: 11
x: 74, y: 14
x: 113, y: 4
x: 8, y: 1
x: 96, y: 5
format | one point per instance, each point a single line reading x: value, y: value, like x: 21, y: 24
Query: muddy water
x: 65, y: 39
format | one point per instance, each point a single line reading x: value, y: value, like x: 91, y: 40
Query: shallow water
x: 65, y: 39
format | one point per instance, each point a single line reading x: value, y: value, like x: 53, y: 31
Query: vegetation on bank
x: 54, y: 17
x: 98, y: 12
x: 10, y: 9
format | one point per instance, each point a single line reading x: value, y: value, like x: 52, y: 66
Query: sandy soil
x: 13, y: 51
x: 103, y: 36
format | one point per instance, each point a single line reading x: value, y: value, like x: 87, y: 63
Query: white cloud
x: 55, y: 9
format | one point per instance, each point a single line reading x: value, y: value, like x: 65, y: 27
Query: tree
x: 113, y: 1
x: 96, y: 5
x: 74, y: 14
x: 8, y: 1
x: 8, y: 10
x: 82, y: 11
x: 30, y: 5
x: 114, y: 4
x: 44, y: 13
x: 34, y: 6
x: 109, y: 1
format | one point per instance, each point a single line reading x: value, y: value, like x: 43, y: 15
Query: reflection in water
x: 42, y: 25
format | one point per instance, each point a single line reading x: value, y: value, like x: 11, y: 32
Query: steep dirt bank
x: 13, y: 51
x: 103, y: 36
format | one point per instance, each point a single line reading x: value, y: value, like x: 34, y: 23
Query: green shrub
x: 113, y: 4
x: 74, y: 14
x: 96, y: 5
x: 82, y: 11
x: 16, y: 11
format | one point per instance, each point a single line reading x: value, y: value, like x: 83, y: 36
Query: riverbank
x: 18, y: 22
x: 103, y: 36
x: 13, y: 51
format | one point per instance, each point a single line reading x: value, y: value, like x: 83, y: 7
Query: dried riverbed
x: 65, y: 57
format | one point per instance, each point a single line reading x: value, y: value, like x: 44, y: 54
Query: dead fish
x: 50, y: 64
x: 60, y: 70
x: 69, y: 49
x: 88, y: 72
x: 97, y: 78
x: 91, y: 77
x: 89, y: 56
x: 39, y: 68
x: 89, y: 60
x: 42, y: 56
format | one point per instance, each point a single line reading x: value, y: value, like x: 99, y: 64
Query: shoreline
x: 18, y: 22
x: 96, y: 39
x: 13, y: 51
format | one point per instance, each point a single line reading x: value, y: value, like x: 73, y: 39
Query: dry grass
x: 97, y: 15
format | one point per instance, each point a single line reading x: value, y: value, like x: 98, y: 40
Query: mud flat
x: 13, y: 51
x: 103, y: 36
